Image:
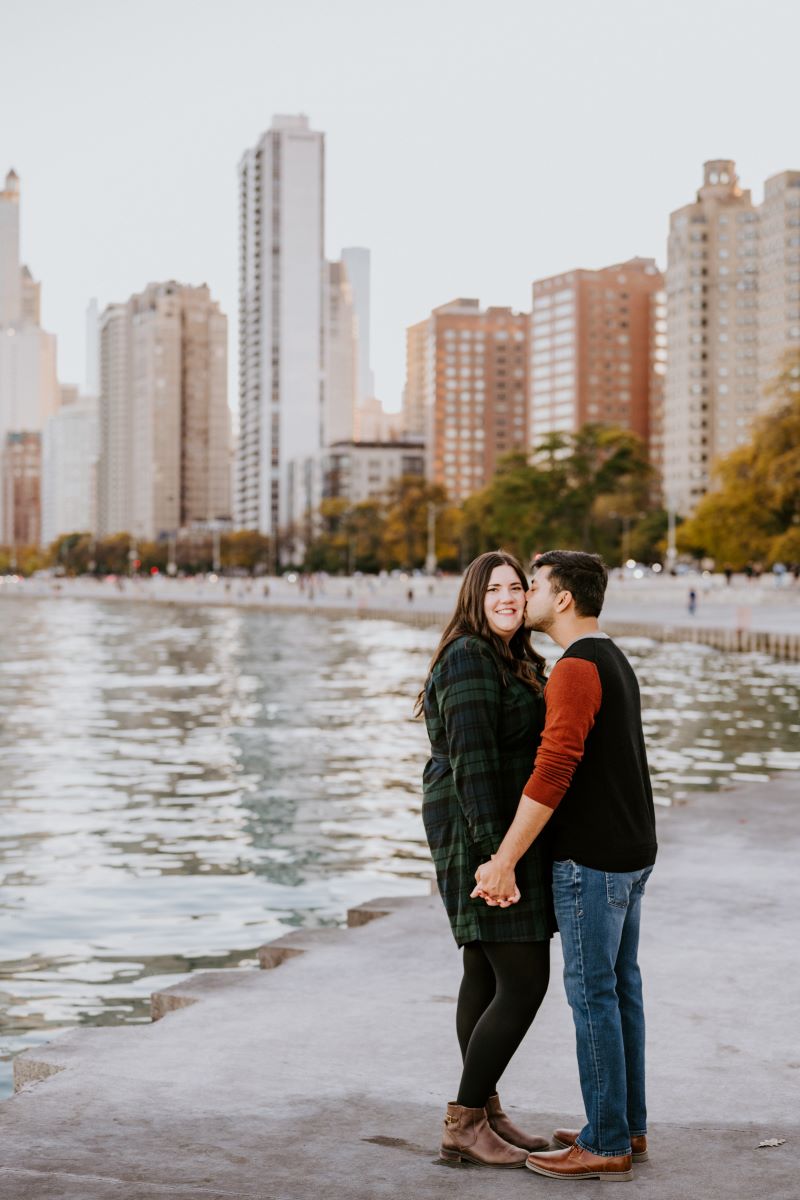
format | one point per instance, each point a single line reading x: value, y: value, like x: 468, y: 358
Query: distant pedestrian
x: 410, y: 595
x: 692, y: 604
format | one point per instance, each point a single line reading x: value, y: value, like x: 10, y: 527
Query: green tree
x: 330, y: 550
x: 72, y: 552
x: 574, y: 490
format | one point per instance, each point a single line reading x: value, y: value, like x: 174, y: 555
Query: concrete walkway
x: 327, y: 1077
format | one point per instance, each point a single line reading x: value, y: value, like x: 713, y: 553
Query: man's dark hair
x: 584, y: 575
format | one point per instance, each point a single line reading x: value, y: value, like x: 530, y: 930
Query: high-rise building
x: 340, y: 394
x: 281, y: 286
x: 92, y: 349
x: 598, y: 350
x: 164, y: 418
x: 69, y: 467
x: 114, y: 509
x: 778, y: 277
x: 28, y: 386
x: 418, y: 385
x: 471, y: 381
x: 711, y: 391
x: 357, y: 263
x: 21, y: 473
x: 28, y: 383
x: 10, y: 278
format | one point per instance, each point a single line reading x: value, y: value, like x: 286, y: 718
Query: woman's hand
x: 495, y: 883
x: 477, y: 894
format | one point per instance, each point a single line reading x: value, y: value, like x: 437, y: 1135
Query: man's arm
x: 573, y: 695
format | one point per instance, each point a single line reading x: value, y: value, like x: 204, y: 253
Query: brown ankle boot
x: 469, y: 1137
x: 501, y: 1123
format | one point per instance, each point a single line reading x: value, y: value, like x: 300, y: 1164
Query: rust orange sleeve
x: 573, y: 695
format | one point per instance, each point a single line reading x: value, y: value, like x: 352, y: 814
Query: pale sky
x: 472, y: 146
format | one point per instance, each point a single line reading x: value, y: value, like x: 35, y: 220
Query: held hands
x: 495, y: 883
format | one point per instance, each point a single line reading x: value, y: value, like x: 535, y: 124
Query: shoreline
x: 736, y: 636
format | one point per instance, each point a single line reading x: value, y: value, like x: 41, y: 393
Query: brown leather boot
x: 468, y: 1136
x: 566, y: 1137
x: 577, y: 1163
x: 501, y: 1123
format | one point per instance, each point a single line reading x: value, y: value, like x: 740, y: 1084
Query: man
x: 591, y: 787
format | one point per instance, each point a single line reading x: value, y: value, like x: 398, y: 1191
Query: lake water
x: 180, y: 786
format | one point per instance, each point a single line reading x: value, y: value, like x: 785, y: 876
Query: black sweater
x: 591, y: 767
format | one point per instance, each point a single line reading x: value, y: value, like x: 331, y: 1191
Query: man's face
x: 540, y: 608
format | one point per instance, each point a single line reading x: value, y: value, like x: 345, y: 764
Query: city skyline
x: 438, y: 158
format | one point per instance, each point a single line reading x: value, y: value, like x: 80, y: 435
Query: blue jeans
x: 598, y: 919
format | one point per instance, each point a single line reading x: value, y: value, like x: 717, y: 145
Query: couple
x: 539, y: 815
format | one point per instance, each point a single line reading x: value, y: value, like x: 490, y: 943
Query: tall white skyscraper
x: 357, y: 262
x: 281, y: 322
x: 28, y: 381
x: 114, y: 502
x: 10, y: 281
x: 341, y: 357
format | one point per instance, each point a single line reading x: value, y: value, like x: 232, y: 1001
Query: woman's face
x: 504, y: 602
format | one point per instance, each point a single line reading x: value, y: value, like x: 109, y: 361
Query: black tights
x: 504, y: 983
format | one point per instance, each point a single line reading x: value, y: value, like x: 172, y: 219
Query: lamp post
x: 672, y: 550
x: 430, y: 557
x: 172, y: 565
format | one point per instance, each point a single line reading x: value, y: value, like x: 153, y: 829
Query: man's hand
x: 495, y: 883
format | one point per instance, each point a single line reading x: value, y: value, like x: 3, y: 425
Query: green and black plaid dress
x: 484, y: 725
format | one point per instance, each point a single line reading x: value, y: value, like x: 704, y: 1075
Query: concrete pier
x: 326, y: 1075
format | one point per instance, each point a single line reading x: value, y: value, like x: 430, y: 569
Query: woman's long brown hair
x: 469, y: 619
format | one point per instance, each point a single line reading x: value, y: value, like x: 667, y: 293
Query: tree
x: 405, y: 531
x: 754, y: 512
x: 571, y: 492
x: 330, y: 548
x: 245, y: 550
x: 72, y: 552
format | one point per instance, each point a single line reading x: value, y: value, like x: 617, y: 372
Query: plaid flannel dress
x: 484, y: 726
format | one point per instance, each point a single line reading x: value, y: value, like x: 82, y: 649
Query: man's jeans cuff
x: 602, y: 1153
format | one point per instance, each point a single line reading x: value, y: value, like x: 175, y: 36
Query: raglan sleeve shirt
x: 573, y: 695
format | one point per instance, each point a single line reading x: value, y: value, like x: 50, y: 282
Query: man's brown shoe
x: 501, y: 1123
x: 577, y: 1163
x: 566, y: 1137
x: 468, y: 1137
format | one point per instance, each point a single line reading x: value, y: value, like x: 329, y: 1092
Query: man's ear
x: 563, y: 601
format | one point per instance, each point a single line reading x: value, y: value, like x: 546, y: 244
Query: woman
x: 484, y: 711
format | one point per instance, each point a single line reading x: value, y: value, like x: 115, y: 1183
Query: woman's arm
x: 469, y: 693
